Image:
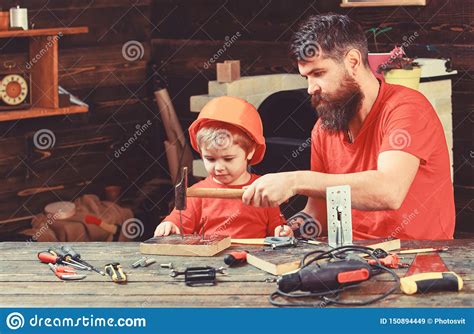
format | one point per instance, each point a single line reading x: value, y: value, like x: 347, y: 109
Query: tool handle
x: 235, y: 258
x: 215, y: 192
x: 46, y: 257
x: 431, y: 282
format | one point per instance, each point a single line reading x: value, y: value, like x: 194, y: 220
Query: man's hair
x: 220, y: 135
x: 331, y: 35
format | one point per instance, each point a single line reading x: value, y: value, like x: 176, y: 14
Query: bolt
x: 167, y: 265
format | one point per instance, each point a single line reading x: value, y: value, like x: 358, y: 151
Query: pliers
x: 65, y: 273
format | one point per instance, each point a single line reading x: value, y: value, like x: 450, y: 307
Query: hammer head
x: 180, y: 191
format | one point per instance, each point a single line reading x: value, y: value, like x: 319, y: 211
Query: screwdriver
x: 74, y: 256
x: 69, y: 255
x: 47, y: 257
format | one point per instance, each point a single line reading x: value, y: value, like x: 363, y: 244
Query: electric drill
x: 326, y: 277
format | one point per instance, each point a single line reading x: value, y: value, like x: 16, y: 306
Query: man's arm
x: 381, y: 189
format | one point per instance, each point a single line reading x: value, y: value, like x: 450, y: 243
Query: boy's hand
x: 283, y: 231
x: 166, y: 228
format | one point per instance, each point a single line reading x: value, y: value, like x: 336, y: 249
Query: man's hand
x: 269, y: 190
x: 166, y: 228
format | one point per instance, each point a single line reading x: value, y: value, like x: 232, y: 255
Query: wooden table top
x: 25, y: 282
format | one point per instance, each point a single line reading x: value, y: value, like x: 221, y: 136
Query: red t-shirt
x: 229, y: 217
x: 400, y: 119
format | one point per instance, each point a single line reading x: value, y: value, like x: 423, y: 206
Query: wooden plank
x: 282, y: 261
x: 437, y: 23
x: 44, y: 72
x: 41, y: 112
x: 256, y: 241
x: 43, y: 32
x: 187, y: 245
x: 243, y: 300
x: 135, y: 301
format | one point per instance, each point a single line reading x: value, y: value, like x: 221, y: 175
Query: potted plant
x: 376, y: 58
x: 401, y: 70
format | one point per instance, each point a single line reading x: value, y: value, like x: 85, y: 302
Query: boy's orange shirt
x: 229, y: 217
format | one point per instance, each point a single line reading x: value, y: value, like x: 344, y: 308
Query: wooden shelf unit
x: 43, y: 58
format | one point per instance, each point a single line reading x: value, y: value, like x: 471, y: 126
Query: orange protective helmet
x: 234, y: 111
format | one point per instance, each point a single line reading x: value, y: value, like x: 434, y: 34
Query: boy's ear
x: 250, y: 154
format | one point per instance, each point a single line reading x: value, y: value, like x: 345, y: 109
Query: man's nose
x: 313, y: 87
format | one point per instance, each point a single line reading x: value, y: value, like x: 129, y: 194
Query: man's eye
x: 228, y: 159
x: 210, y: 159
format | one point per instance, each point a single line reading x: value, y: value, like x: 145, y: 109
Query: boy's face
x: 227, y: 165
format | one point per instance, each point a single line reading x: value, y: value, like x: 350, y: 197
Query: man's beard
x: 336, y: 110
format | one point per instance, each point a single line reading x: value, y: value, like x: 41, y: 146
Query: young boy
x: 229, y: 136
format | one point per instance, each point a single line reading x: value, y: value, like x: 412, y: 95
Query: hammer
x: 181, y: 192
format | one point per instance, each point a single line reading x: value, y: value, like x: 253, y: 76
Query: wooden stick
x: 423, y: 250
x: 257, y: 241
x: 215, y: 192
x: 13, y: 220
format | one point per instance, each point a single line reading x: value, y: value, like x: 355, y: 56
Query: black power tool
x: 326, y: 277
x: 342, y: 268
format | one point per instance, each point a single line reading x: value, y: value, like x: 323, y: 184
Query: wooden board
x: 282, y: 261
x: 191, y: 245
x: 285, y: 260
x: 43, y: 32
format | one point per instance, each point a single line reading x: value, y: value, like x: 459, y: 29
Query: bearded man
x: 385, y: 141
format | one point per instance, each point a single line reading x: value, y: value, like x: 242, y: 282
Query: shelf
x: 43, y: 32
x: 40, y: 112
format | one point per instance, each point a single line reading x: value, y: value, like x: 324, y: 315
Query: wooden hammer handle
x: 215, y: 192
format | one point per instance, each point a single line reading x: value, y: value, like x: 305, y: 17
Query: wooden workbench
x: 24, y: 281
